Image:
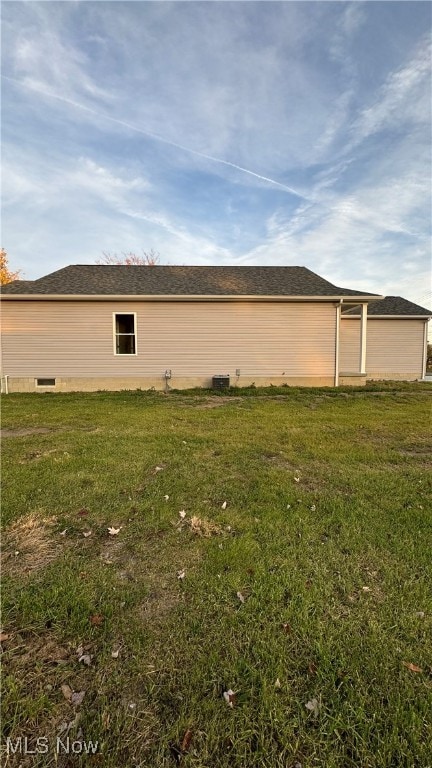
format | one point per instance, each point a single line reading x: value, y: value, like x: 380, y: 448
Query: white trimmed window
x: 125, y: 333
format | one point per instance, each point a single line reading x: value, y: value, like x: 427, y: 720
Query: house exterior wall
x: 72, y: 341
x: 349, y: 345
x: 395, y: 347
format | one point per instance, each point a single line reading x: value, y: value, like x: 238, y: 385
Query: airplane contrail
x: 157, y: 137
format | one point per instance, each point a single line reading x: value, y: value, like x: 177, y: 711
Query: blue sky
x: 287, y: 133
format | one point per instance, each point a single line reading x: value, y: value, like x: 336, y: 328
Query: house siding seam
x: 63, y: 339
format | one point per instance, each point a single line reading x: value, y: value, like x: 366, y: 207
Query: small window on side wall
x: 125, y: 334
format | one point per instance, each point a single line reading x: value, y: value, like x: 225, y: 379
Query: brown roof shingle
x: 132, y: 280
x: 392, y: 306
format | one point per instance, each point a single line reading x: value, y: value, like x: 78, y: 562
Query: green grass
x: 334, y: 570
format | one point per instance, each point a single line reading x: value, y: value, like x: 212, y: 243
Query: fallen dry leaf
x: 181, y: 574
x: 420, y: 614
x: 77, y: 698
x: 82, y: 512
x: 114, y: 531
x: 115, y: 654
x: 63, y: 533
x: 3, y: 637
x: 366, y: 589
x: 230, y: 697
x: 296, y: 479
x: 157, y: 469
x: 286, y: 628
x: 166, y: 497
x: 186, y: 741
x: 241, y: 597
x: 182, y: 514
x: 96, y: 620
x: 312, y: 668
x: 412, y: 667
x: 278, y: 684
x: 67, y: 691
x: 85, y: 658
x: 224, y: 505
x: 86, y: 534
x: 313, y: 706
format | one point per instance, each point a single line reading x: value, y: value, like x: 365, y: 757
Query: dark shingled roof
x: 392, y: 305
x: 17, y: 286
x: 131, y: 280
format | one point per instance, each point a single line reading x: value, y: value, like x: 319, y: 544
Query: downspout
x: 167, y: 376
x: 6, y: 381
x: 337, y: 335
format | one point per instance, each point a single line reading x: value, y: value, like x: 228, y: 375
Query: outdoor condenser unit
x: 221, y: 381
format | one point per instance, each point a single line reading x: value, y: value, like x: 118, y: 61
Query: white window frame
x: 120, y: 354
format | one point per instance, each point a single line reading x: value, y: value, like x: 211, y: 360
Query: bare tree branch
x: 148, y: 258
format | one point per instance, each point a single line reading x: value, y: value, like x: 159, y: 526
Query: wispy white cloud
x: 403, y: 88
x: 37, y: 88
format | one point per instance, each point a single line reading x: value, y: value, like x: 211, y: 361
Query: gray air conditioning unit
x: 221, y: 381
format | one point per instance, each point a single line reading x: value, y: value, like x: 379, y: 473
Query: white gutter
x: 176, y: 297
x: 388, y: 317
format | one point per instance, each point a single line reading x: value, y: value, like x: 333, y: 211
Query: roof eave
x: 388, y: 317
x: 182, y: 297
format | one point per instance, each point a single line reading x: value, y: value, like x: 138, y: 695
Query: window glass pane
x: 125, y: 345
x: 125, y: 324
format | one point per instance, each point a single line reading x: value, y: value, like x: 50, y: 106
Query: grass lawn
x: 296, y: 581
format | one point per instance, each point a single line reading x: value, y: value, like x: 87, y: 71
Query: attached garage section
x: 395, y: 347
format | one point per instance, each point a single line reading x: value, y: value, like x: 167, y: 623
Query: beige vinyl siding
x: 349, y: 345
x: 395, y: 347
x: 50, y: 338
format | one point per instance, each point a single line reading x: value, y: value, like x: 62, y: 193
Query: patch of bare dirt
x: 210, y: 402
x: 163, y: 596
x: 420, y: 450
x: 29, y: 649
x: 278, y: 460
x: 25, y: 431
x: 150, y: 566
x: 34, y: 455
x: 27, y: 545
